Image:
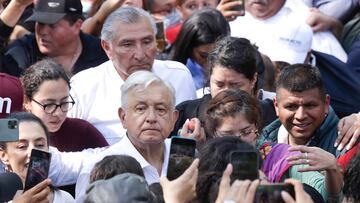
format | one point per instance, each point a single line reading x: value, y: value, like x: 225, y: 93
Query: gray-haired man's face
x: 132, y: 48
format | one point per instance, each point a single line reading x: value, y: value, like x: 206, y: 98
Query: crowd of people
x: 88, y: 83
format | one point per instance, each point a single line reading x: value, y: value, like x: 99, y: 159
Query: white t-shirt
x: 97, y: 94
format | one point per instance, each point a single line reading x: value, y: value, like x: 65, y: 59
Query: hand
x: 226, y: 6
x: 317, y: 20
x: 317, y: 159
x: 348, y: 131
x: 300, y: 195
x: 192, y: 129
x: 182, y: 189
x: 37, y: 194
x: 239, y: 191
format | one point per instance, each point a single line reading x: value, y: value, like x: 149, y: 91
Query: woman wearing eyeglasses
x: 46, y: 87
x: 233, y: 112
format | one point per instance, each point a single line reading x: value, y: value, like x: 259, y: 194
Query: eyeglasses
x: 240, y: 134
x: 51, y: 108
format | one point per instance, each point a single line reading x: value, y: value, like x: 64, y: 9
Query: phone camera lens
x: 12, y: 124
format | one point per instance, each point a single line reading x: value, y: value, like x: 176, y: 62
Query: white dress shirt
x: 124, y: 147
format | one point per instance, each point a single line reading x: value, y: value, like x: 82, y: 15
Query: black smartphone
x: 38, y: 169
x: 9, y: 130
x: 271, y: 193
x: 182, y: 153
x: 239, y: 7
x: 245, y: 165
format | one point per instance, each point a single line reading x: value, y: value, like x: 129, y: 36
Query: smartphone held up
x: 271, y: 193
x: 240, y: 7
x: 245, y: 165
x: 9, y: 130
x: 38, y: 168
x: 182, y: 153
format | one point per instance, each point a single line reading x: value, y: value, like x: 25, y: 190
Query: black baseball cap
x: 51, y: 11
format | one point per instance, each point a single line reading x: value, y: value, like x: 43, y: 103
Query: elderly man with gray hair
x: 148, y: 114
x: 128, y: 38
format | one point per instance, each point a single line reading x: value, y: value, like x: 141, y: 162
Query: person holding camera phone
x: 33, y: 134
x: 244, y: 191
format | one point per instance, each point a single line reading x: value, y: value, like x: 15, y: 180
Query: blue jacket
x: 324, y: 137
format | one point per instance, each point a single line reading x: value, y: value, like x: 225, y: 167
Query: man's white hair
x: 142, y: 79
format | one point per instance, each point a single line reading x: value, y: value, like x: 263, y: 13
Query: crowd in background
x: 104, y: 85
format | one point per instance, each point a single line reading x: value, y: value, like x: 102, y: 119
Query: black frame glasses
x: 52, y: 107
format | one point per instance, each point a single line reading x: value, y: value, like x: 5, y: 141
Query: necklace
x: 69, y: 67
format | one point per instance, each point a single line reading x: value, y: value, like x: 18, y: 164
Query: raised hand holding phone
x: 38, y: 168
x: 231, y: 8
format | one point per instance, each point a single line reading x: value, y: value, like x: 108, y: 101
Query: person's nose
x: 300, y: 113
x: 139, y: 52
x: 151, y: 116
x: 57, y: 111
x: 28, y: 151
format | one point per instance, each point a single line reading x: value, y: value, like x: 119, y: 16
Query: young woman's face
x: 50, y: 92
x: 238, y: 126
x: 17, y: 154
x: 223, y: 78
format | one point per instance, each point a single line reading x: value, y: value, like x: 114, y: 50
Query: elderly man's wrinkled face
x: 132, y: 48
x: 149, y: 116
x: 263, y: 9
x: 302, y: 113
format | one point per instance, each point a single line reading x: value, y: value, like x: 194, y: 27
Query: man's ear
x: 327, y: 103
x: 175, y: 115
x: 106, y: 46
x: 275, y: 101
x: 77, y: 25
x: 122, y: 116
x: 27, y: 104
x: 253, y: 81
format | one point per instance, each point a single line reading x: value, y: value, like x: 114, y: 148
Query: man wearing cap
x: 57, y: 35
x: 266, y: 19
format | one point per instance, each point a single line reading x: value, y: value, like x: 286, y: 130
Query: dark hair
x: 237, y: 54
x: 73, y: 17
x: 202, y: 27
x: 26, y: 117
x: 39, y: 72
x: 352, y: 179
x: 214, y: 157
x: 157, y: 190
x: 299, y: 78
x: 230, y: 102
x: 113, y: 165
